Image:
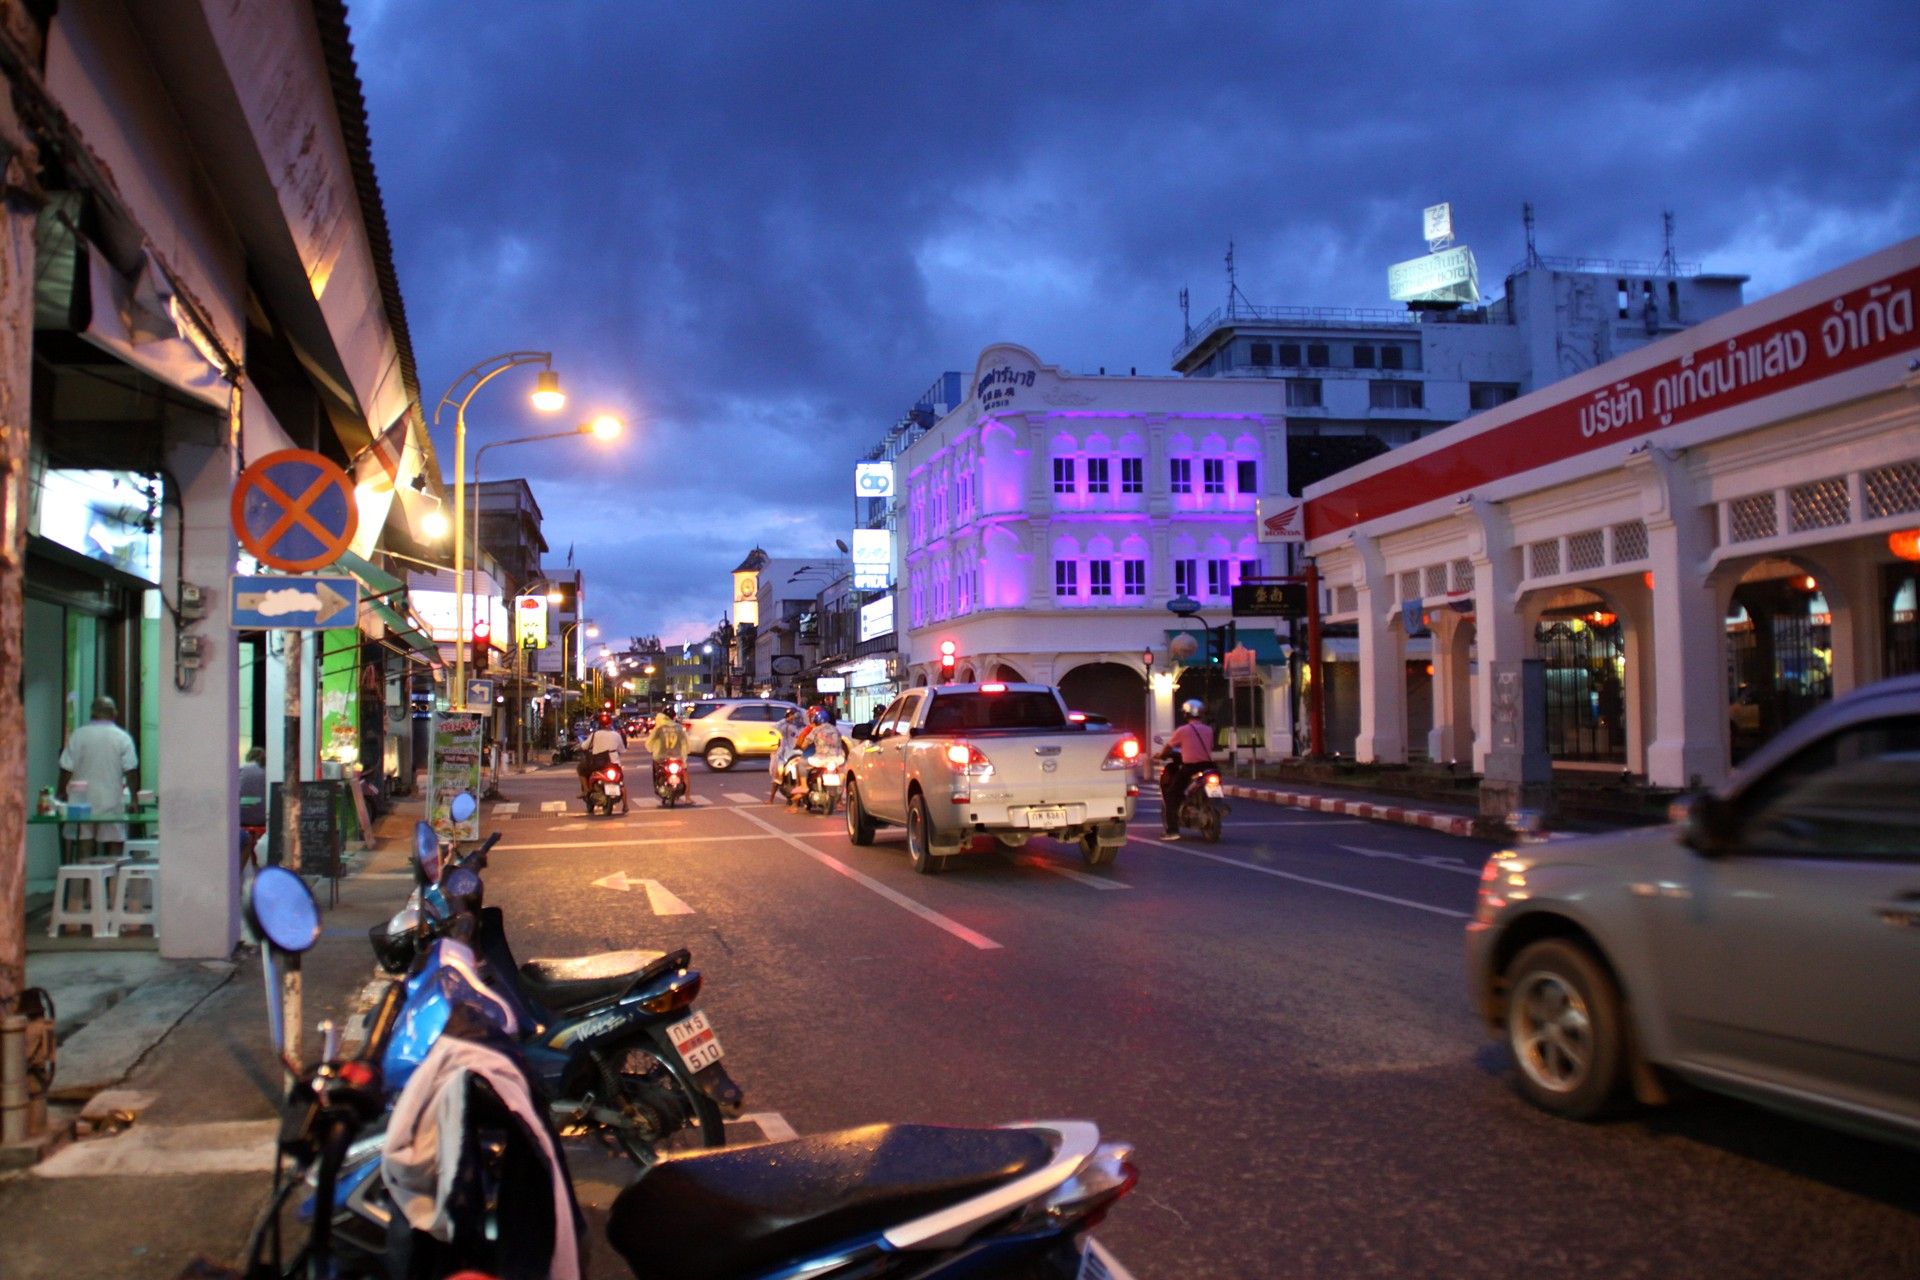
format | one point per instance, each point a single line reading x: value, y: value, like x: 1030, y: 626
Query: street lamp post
x: 548, y: 398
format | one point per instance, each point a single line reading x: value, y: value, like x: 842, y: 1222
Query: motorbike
x: 670, y: 780
x: 1203, y: 805
x: 606, y: 787
x: 826, y: 783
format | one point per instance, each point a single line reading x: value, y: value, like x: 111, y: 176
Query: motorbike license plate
x: 694, y: 1038
x: 1214, y: 790
x: 611, y: 788
x: 1046, y: 817
x: 830, y: 778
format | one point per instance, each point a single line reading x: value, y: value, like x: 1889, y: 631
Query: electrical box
x: 187, y: 651
x: 193, y: 601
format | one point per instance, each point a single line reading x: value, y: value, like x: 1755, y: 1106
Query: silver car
x: 1767, y: 944
x: 721, y: 730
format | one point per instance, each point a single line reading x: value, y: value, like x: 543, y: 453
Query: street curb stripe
x: 1447, y: 824
x: 954, y: 927
x: 1319, y: 884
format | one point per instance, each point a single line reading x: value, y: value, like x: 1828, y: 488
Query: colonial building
x: 1052, y: 516
x: 1699, y: 541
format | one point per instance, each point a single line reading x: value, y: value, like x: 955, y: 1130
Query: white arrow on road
x: 659, y: 897
x: 322, y: 601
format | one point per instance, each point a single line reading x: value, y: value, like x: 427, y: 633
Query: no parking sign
x: 294, y: 510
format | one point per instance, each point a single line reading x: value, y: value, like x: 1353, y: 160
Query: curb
x: 1449, y: 824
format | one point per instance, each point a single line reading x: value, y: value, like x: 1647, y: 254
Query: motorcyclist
x: 1188, y: 751
x: 666, y: 741
x: 823, y: 746
x: 787, y: 749
x: 602, y: 747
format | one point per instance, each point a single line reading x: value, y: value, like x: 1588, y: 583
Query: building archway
x: 1011, y: 675
x: 1109, y: 689
x: 1779, y: 650
x: 1581, y: 638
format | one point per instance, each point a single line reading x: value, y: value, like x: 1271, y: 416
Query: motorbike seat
x: 569, y: 982
x: 745, y: 1210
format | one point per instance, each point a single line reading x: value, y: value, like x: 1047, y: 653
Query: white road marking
x: 741, y: 797
x: 772, y: 1124
x: 618, y: 881
x: 1434, y: 860
x: 384, y: 875
x: 507, y: 809
x: 225, y: 1146
x: 628, y: 844
x: 1318, y: 884
x: 553, y: 806
x: 660, y: 898
x: 925, y: 912
x: 1235, y: 824
x: 1096, y: 881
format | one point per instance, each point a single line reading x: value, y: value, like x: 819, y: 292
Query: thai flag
x: 378, y: 468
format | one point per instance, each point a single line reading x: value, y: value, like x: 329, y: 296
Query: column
x: 1688, y: 654
x: 1500, y: 633
x: 1851, y: 584
x: 199, y: 800
x: 1383, y: 664
x: 1279, y: 710
x: 1451, y: 738
x: 16, y: 385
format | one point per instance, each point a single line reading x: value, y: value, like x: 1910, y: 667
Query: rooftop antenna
x: 1186, y: 315
x: 1526, y: 219
x: 1233, y: 288
x: 1668, y: 265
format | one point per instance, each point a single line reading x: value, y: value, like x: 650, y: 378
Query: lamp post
x: 603, y: 427
x: 548, y: 398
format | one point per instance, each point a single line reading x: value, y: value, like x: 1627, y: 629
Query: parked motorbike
x: 606, y: 787
x: 1203, y: 805
x: 670, y: 780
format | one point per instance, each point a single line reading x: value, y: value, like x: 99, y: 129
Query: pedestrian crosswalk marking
x: 741, y: 797
x: 509, y: 809
x: 553, y: 806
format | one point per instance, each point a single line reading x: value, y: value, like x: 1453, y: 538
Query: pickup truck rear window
x: 968, y: 712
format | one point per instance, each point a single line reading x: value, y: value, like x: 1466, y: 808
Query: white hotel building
x: 1051, y: 517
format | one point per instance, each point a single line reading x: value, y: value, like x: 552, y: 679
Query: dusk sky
x: 759, y: 231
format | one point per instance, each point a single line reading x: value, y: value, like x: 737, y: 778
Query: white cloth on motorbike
x: 422, y: 1153
x: 458, y: 956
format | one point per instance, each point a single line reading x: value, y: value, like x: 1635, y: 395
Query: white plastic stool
x: 143, y: 850
x: 126, y: 916
x: 96, y: 876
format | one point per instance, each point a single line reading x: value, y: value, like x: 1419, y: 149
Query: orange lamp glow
x: 1647, y: 578
x: 1905, y: 543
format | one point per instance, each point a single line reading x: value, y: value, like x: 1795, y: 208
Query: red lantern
x: 1905, y: 543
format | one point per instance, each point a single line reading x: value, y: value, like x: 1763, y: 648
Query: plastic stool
x: 147, y: 914
x: 143, y: 850
x: 96, y: 876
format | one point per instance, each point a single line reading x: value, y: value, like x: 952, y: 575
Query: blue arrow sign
x: 270, y: 602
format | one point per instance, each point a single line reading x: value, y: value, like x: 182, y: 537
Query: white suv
x: 723, y: 729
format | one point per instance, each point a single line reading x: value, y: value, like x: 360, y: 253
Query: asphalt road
x: 1278, y: 1023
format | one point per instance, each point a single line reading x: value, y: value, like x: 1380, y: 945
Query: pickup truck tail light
x: 1125, y: 754
x: 967, y: 759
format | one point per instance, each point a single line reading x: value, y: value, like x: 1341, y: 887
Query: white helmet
x: 1194, y: 707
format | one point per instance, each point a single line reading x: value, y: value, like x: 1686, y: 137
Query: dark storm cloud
x: 763, y: 229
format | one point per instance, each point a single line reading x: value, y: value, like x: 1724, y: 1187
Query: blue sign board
x: 480, y: 697
x: 304, y: 603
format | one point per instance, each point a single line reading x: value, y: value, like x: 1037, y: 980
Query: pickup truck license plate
x: 1046, y: 817
x: 694, y: 1038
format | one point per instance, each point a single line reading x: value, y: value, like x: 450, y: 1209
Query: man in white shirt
x: 101, y: 754
x: 603, y: 746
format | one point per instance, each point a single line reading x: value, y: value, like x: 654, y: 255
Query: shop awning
x: 384, y: 590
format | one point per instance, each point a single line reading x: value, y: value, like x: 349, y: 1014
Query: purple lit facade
x: 1049, y: 519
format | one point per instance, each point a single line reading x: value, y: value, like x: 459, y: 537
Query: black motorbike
x: 1203, y: 805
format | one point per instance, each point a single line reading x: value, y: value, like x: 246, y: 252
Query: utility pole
x: 21, y: 164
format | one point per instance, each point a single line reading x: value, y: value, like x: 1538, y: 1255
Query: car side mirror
x: 1705, y: 822
x: 863, y: 732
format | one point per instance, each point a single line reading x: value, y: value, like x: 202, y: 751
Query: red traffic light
x: 482, y: 631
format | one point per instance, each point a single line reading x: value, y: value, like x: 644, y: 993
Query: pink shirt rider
x: 1192, y: 742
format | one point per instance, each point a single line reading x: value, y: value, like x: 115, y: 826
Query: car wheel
x: 1565, y: 1028
x: 920, y: 837
x: 860, y: 827
x: 720, y: 756
x: 1095, y: 854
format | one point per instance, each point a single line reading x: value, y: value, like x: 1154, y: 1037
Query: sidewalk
x: 182, y: 1047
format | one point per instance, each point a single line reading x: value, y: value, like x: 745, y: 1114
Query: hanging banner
x: 455, y: 768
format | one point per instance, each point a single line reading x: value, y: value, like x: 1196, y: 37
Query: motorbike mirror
x: 463, y: 806
x: 460, y: 883
x: 426, y: 852
x: 283, y: 909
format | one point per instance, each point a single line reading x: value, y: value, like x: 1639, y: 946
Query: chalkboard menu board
x: 318, y: 834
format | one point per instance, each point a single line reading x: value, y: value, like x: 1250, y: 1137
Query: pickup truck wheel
x: 1566, y: 1028
x: 1095, y: 854
x: 720, y: 756
x: 920, y: 837
x: 860, y: 827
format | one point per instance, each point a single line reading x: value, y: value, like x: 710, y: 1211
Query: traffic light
x: 482, y: 644
x: 947, y: 651
x: 1216, y: 646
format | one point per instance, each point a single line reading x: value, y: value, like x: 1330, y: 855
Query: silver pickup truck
x: 961, y: 761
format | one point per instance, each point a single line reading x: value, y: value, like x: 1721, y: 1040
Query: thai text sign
x: 455, y: 768
x: 1829, y: 337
